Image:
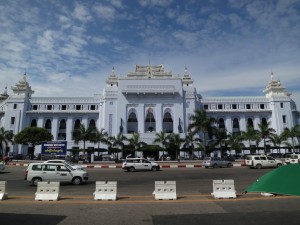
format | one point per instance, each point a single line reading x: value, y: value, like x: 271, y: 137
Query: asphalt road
x: 136, y: 204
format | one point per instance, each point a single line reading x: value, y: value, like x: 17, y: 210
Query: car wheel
x: 215, y: 165
x: 206, y: 167
x: 157, y: 168
x: 152, y: 168
x: 35, y: 180
x: 229, y: 165
x: 279, y: 165
x: 131, y: 169
x: 77, y: 180
x: 258, y: 166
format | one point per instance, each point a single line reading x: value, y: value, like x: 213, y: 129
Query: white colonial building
x: 147, y: 101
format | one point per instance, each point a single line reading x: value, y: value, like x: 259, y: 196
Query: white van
x: 294, y: 158
x: 54, y: 172
x: 262, y: 161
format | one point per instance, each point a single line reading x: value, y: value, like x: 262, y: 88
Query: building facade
x: 148, y: 100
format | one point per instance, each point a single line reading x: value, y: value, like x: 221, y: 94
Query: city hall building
x: 148, y: 100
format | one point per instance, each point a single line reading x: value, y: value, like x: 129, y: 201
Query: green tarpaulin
x: 284, y: 180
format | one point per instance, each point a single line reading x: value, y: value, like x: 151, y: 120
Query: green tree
x: 190, y: 140
x: 118, y: 142
x: 277, y: 140
x: 292, y: 133
x: 175, y: 143
x: 200, y: 122
x: 265, y: 132
x: 99, y: 136
x: 6, y: 137
x: 34, y: 136
x: 136, y: 142
x: 249, y: 135
x: 83, y: 134
x: 235, y: 141
x: 161, y: 138
x: 220, y: 140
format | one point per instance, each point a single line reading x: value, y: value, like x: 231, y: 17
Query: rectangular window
x: 64, y: 107
x: 49, y: 107
x: 248, y: 106
x: 34, y: 107
x: 284, y: 118
x: 15, y: 106
x: 205, y: 107
x: 12, y: 120
x: 262, y: 106
x: 234, y: 106
x: 78, y: 107
x: 93, y: 107
x: 281, y: 105
x: 220, y: 106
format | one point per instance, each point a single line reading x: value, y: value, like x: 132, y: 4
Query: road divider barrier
x: 3, y: 194
x: 223, y: 189
x: 165, y: 190
x: 106, y: 190
x: 47, y: 191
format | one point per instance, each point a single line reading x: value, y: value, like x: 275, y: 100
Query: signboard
x: 54, y: 148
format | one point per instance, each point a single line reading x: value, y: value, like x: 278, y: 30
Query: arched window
x: 249, y: 123
x: 235, y: 125
x: 33, y: 123
x: 77, y: 124
x: 48, y: 124
x: 168, y: 123
x: 92, y: 123
x: 62, y: 130
x: 221, y: 123
x: 150, y: 123
x: 264, y: 121
x: 132, y: 123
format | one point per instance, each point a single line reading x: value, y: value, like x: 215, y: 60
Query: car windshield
x: 70, y: 163
x: 294, y: 157
x: 207, y: 158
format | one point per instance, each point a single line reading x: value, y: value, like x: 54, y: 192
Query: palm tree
x: 5, y: 138
x: 190, y: 140
x: 83, y: 134
x: 200, y: 122
x: 235, y: 141
x: 265, y: 132
x: 99, y: 137
x: 135, y: 142
x: 118, y: 142
x: 292, y: 133
x: 220, y: 139
x: 161, y: 138
x: 249, y: 135
x: 175, y: 142
x: 277, y: 140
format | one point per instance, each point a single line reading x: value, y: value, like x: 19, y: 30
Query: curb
x: 120, y: 166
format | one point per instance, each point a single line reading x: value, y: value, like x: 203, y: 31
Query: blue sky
x: 230, y: 47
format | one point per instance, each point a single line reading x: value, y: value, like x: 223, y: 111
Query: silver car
x: 216, y: 162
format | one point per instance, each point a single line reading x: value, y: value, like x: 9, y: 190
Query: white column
x: 69, y: 128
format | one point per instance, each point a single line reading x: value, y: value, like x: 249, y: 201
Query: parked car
x: 165, y: 157
x: 54, y: 172
x: 2, y: 166
x: 216, y: 162
x: 132, y: 164
x: 294, y: 158
x: 74, y: 166
x: 262, y: 161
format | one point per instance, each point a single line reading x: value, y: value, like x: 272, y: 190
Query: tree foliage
x: 5, y: 138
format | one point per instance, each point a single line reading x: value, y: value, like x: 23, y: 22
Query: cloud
x: 106, y: 13
x: 81, y: 13
x: 152, y: 3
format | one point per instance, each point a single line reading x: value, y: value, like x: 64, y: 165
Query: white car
x: 262, y: 161
x: 74, y: 166
x: 294, y: 158
x: 2, y: 166
x: 54, y: 172
x: 132, y: 164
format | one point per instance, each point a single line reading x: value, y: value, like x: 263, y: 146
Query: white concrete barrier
x: 3, y: 194
x: 223, y: 189
x: 165, y: 190
x: 106, y: 190
x: 47, y: 191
